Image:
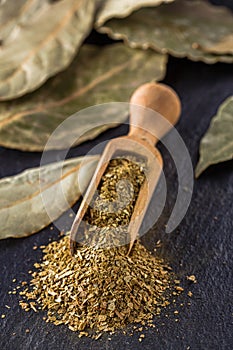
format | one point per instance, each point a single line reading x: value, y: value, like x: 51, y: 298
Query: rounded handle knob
x: 153, y: 97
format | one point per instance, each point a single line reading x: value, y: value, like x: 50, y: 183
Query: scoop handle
x: 145, y: 124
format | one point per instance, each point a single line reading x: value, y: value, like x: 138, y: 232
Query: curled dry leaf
x: 224, y: 46
x: 113, y: 8
x: 22, y: 209
x: 217, y: 144
x: 183, y: 29
x: 9, y: 11
x: 98, y: 75
x: 15, y: 13
x: 45, y: 47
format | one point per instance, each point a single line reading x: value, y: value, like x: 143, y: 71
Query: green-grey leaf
x: 223, y: 46
x: 114, y: 8
x: 15, y: 13
x: 97, y: 75
x: 45, y: 47
x: 217, y: 144
x: 22, y: 208
x: 183, y: 29
x: 9, y: 11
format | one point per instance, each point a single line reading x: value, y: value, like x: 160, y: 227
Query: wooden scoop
x: 146, y: 129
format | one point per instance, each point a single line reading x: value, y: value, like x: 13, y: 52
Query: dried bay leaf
x: 22, y: 211
x: 44, y: 48
x: 9, y: 10
x: 217, y: 144
x: 97, y: 75
x: 115, y: 8
x: 14, y: 13
x: 224, y: 46
x: 182, y: 29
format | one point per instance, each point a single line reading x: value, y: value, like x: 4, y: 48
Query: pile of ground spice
x: 99, y: 289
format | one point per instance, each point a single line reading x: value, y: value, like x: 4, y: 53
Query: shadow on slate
x: 201, y: 245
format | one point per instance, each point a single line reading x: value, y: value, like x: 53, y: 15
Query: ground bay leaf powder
x: 101, y: 289
x: 107, y: 218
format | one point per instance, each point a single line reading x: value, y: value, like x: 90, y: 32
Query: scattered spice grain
x: 192, y: 278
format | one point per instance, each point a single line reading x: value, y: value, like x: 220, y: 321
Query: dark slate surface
x: 201, y: 245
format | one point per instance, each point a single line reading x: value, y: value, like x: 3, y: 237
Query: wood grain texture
x: 201, y: 245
